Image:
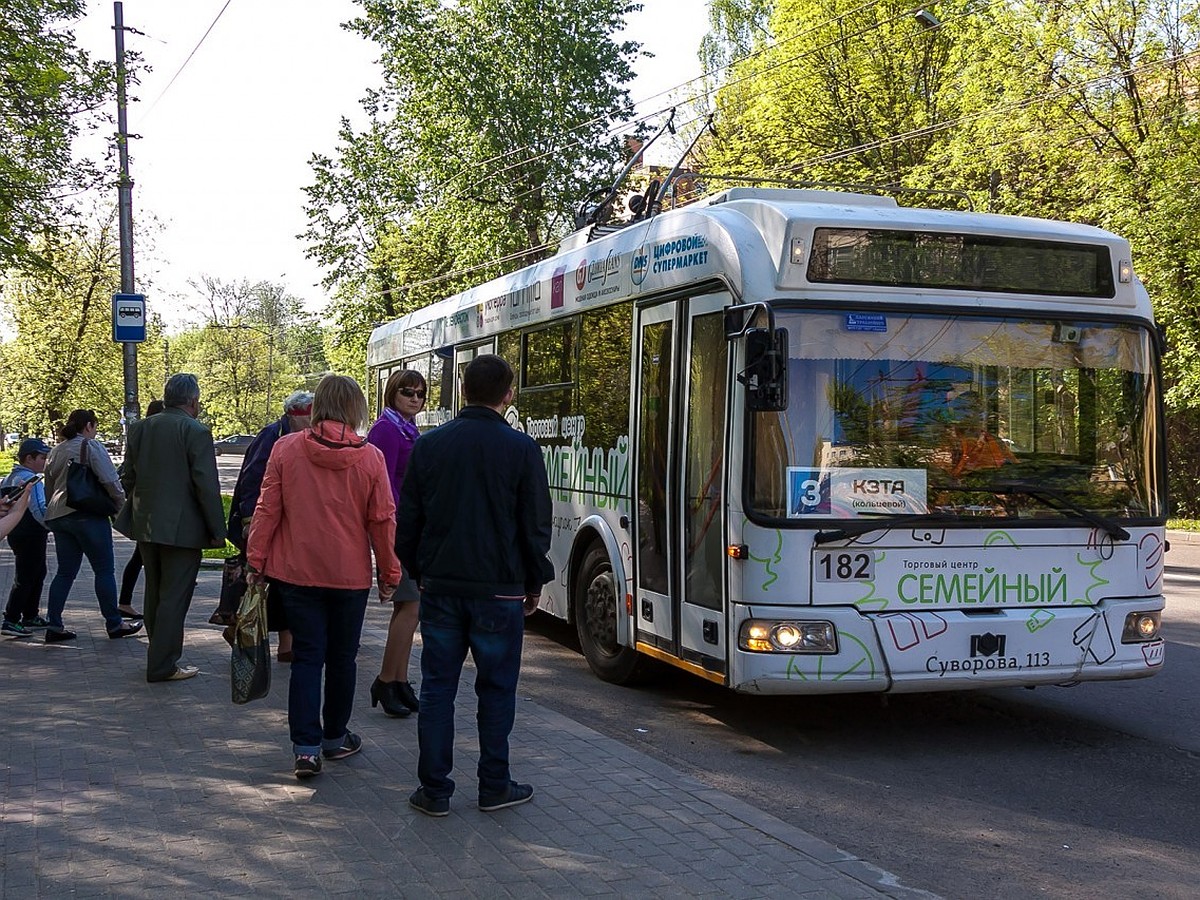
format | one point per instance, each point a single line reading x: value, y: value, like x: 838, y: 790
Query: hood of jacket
x: 333, y: 445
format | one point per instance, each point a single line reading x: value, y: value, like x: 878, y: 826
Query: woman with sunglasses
x: 394, y: 433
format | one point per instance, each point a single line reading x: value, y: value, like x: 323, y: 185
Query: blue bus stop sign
x: 129, y: 318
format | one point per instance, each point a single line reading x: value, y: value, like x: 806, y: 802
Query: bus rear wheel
x: 595, y: 608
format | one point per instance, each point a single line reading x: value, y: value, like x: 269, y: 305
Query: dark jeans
x: 493, y: 631
x: 77, y: 535
x: 29, y: 558
x: 326, y: 627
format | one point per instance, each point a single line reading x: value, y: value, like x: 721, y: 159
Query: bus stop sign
x: 129, y: 318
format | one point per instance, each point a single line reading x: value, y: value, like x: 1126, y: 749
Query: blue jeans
x: 326, y: 626
x: 493, y: 631
x: 77, y: 535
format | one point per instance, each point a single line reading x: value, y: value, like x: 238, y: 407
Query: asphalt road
x: 1063, y: 792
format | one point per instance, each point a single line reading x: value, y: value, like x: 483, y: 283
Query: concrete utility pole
x: 132, y: 410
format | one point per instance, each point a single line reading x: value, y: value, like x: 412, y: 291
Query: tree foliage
x: 492, y: 123
x: 62, y: 355
x: 1082, y: 110
x: 254, y: 346
x: 50, y: 91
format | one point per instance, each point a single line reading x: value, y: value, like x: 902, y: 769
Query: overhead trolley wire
x: 199, y: 43
x: 625, y: 126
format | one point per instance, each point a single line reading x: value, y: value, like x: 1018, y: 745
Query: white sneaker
x: 183, y: 672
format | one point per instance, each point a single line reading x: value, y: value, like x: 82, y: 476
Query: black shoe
x: 350, y: 745
x: 307, y: 766
x: 35, y: 622
x: 431, y: 806
x: 129, y: 613
x: 123, y: 632
x: 406, y: 695
x: 514, y: 796
x: 54, y: 635
x: 385, y: 692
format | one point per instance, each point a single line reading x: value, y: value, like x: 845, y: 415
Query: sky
x: 225, y: 139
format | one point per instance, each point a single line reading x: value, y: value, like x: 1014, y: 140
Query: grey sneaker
x: 431, y: 806
x: 15, y: 629
x: 514, y: 796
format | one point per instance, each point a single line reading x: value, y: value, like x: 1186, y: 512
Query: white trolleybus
x: 805, y: 441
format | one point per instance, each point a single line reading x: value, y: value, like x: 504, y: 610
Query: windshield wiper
x: 896, y: 520
x: 1056, y: 500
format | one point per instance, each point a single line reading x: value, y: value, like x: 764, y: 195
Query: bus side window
x: 508, y: 348
x: 605, y: 346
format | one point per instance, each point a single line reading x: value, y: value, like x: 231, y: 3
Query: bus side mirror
x: 765, y: 375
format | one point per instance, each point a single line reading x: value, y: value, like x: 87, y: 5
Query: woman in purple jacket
x: 394, y: 433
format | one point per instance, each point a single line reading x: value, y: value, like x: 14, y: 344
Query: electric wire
x: 703, y: 77
x: 629, y: 127
x: 1015, y: 106
x: 204, y: 37
x: 845, y: 153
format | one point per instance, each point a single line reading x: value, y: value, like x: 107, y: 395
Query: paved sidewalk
x: 110, y: 786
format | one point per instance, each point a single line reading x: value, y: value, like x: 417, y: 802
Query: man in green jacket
x: 174, y: 497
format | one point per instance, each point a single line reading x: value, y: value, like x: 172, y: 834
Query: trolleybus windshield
x: 896, y: 414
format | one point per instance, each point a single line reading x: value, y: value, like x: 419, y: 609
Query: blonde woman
x: 324, y: 506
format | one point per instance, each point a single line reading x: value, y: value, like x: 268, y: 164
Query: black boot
x: 406, y: 695
x: 385, y: 692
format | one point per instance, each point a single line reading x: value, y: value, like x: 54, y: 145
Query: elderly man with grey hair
x: 170, y: 480
x: 296, y: 411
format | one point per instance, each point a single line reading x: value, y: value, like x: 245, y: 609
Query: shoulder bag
x: 85, y: 493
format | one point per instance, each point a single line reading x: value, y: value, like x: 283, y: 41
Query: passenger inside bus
x: 970, y: 447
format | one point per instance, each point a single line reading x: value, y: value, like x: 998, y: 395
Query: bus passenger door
x: 704, y: 378
x: 681, y: 383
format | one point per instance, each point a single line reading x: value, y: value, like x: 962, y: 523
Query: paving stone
x: 134, y: 790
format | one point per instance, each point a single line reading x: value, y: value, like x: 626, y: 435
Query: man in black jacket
x: 473, y: 529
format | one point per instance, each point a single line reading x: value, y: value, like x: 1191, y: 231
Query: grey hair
x: 181, y: 389
x: 297, y: 399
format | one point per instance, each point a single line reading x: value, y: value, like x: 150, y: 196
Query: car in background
x: 234, y: 445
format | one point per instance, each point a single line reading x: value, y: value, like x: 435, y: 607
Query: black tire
x: 594, y: 603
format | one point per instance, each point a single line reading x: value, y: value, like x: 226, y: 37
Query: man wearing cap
x: 28, y: 543
x: 296, y: 411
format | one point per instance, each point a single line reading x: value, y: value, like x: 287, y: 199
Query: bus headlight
x: 1141, y: 627
x: 765, y: 636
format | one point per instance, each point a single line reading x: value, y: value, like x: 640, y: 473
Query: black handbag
x: 250, y: 662
x: 85, y: 493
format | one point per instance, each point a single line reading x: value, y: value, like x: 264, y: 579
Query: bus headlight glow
x: 765, y: 636
x: 1141, y: 627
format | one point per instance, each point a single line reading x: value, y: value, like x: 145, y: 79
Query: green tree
x: 1080, y: 110
x: 253, y: 348
x: 492, y: 123
x: 62, y: 355
x: 50, y: 91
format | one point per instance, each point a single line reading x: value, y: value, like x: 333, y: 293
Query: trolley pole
x: 132, y: 410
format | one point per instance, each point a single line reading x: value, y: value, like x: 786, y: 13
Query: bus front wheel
x: 595, y: 608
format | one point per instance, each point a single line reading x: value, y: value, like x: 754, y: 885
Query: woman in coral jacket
x: 325, y: 505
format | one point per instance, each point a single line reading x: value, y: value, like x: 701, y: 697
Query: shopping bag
x: 250, y: 661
